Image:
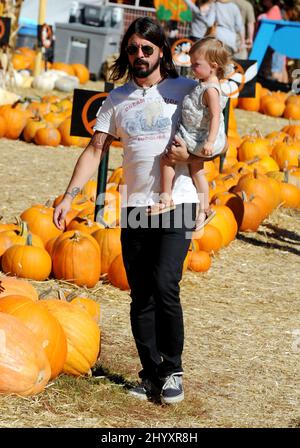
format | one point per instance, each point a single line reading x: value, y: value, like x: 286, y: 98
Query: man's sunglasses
x: 133, y: 49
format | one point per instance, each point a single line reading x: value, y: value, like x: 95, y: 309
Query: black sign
x: 5, y: 24
x: 85, y: 107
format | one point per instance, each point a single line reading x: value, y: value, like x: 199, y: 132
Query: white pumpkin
x: 67, y: 83
x: 42, y: 82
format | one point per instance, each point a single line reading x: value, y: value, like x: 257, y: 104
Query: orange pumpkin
x: 66, y: 138
x: 117, y: 274
x: 82, y: 72
x: 15, y: 120
x: 46, y: 328
x: 39, y: 218
x: 89, y: 305
x: 76, y: 258
x: 67, y: 68
x: 15, y: 286
x: 24, y: 367
x: 82, y: 333
x: 31, y: 128
x: 109, y: 241
x: 27, y: 261
x: 47, y: 136
x: 210, y: 240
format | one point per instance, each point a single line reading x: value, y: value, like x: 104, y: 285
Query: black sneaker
x: 172, y: 390
x: 145, y: 390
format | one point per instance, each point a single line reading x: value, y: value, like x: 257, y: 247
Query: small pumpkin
x: 27, y: 261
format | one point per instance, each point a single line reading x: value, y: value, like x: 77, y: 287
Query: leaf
x: 163, y: 13
x: 186, y: 16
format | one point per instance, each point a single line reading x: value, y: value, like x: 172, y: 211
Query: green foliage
x: 163, y: 13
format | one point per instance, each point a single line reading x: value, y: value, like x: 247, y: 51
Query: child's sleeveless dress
x: 195, y: 119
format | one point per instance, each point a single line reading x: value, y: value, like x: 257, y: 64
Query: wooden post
x: 226, y: 112
x: 41, y: 21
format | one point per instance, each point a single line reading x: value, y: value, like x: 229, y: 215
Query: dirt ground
x: 242, y: 322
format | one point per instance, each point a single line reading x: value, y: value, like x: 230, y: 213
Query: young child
x: 202, y: 126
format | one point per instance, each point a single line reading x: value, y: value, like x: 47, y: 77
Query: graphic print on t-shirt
x: 148, y: 120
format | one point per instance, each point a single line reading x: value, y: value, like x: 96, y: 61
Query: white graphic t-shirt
x: 146, y: 121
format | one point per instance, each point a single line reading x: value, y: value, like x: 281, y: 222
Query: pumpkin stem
x: 244, y: 196
x: 48, y: 203
x: 24, y: 228
x: 254, y: 160
x: 29, y: 240
x: 76, y: 236
x: 286, y: 172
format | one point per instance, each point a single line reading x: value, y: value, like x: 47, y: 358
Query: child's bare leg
x: 167, y: 174
x: 205, y: 213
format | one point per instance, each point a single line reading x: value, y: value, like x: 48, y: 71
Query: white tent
x: 56, y: 10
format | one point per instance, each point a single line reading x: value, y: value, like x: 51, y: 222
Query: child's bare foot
x: 203, y: 218
x: 162, y: 206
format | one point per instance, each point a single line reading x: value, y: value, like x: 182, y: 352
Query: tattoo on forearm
x: 74, y: 192
x: 101, y: 141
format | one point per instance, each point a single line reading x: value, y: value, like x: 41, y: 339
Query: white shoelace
x: 172, y: 382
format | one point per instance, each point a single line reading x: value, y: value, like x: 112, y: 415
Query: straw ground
x: 242, y: 322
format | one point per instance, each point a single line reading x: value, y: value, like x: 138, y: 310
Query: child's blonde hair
x: 214, y: 52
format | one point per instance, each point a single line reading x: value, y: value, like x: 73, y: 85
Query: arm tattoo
x: 101, y: 141
x: 74, y: 192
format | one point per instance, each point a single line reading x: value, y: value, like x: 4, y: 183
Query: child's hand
x: 207, y: 148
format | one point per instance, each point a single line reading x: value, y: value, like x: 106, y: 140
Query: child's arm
x: 212, y: 101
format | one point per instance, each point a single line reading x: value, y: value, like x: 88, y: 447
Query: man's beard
x: 143, y: 71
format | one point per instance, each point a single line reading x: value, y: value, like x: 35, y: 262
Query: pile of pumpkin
x: 274, y: 104
x: 46, y: 122
x: 59, y: 75
x: 40, y: 339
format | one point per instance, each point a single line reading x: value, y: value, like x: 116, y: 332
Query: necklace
x: 145, y: 89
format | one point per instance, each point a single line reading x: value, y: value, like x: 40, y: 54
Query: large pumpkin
x: 24, y: 367
x: 82, y: 332
x: 40, y: 221
x: 109, y: 241
x: 43, y: 324
x: 76, y: 258
x: 117, y: 274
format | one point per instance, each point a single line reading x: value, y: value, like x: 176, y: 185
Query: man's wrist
x: 72, y: 193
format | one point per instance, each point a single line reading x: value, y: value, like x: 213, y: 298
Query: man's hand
x: 60, y: 212
x: 177, y: 153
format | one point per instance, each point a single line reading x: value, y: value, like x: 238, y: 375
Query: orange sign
x: 85, y: 111
x: 180, y: 52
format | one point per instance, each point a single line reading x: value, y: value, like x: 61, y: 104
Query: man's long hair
x: 150, y: 30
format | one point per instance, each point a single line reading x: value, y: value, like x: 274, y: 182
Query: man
x: 144, y: 113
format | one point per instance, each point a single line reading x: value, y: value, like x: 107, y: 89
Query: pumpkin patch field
x: 239, y: 291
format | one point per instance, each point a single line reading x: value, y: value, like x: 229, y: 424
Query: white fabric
x: 194, y: 127
x: 146, y: 125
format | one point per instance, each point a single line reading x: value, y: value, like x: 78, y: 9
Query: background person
x: 203, y: 17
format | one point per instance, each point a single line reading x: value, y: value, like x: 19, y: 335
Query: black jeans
x: 153, y: 258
